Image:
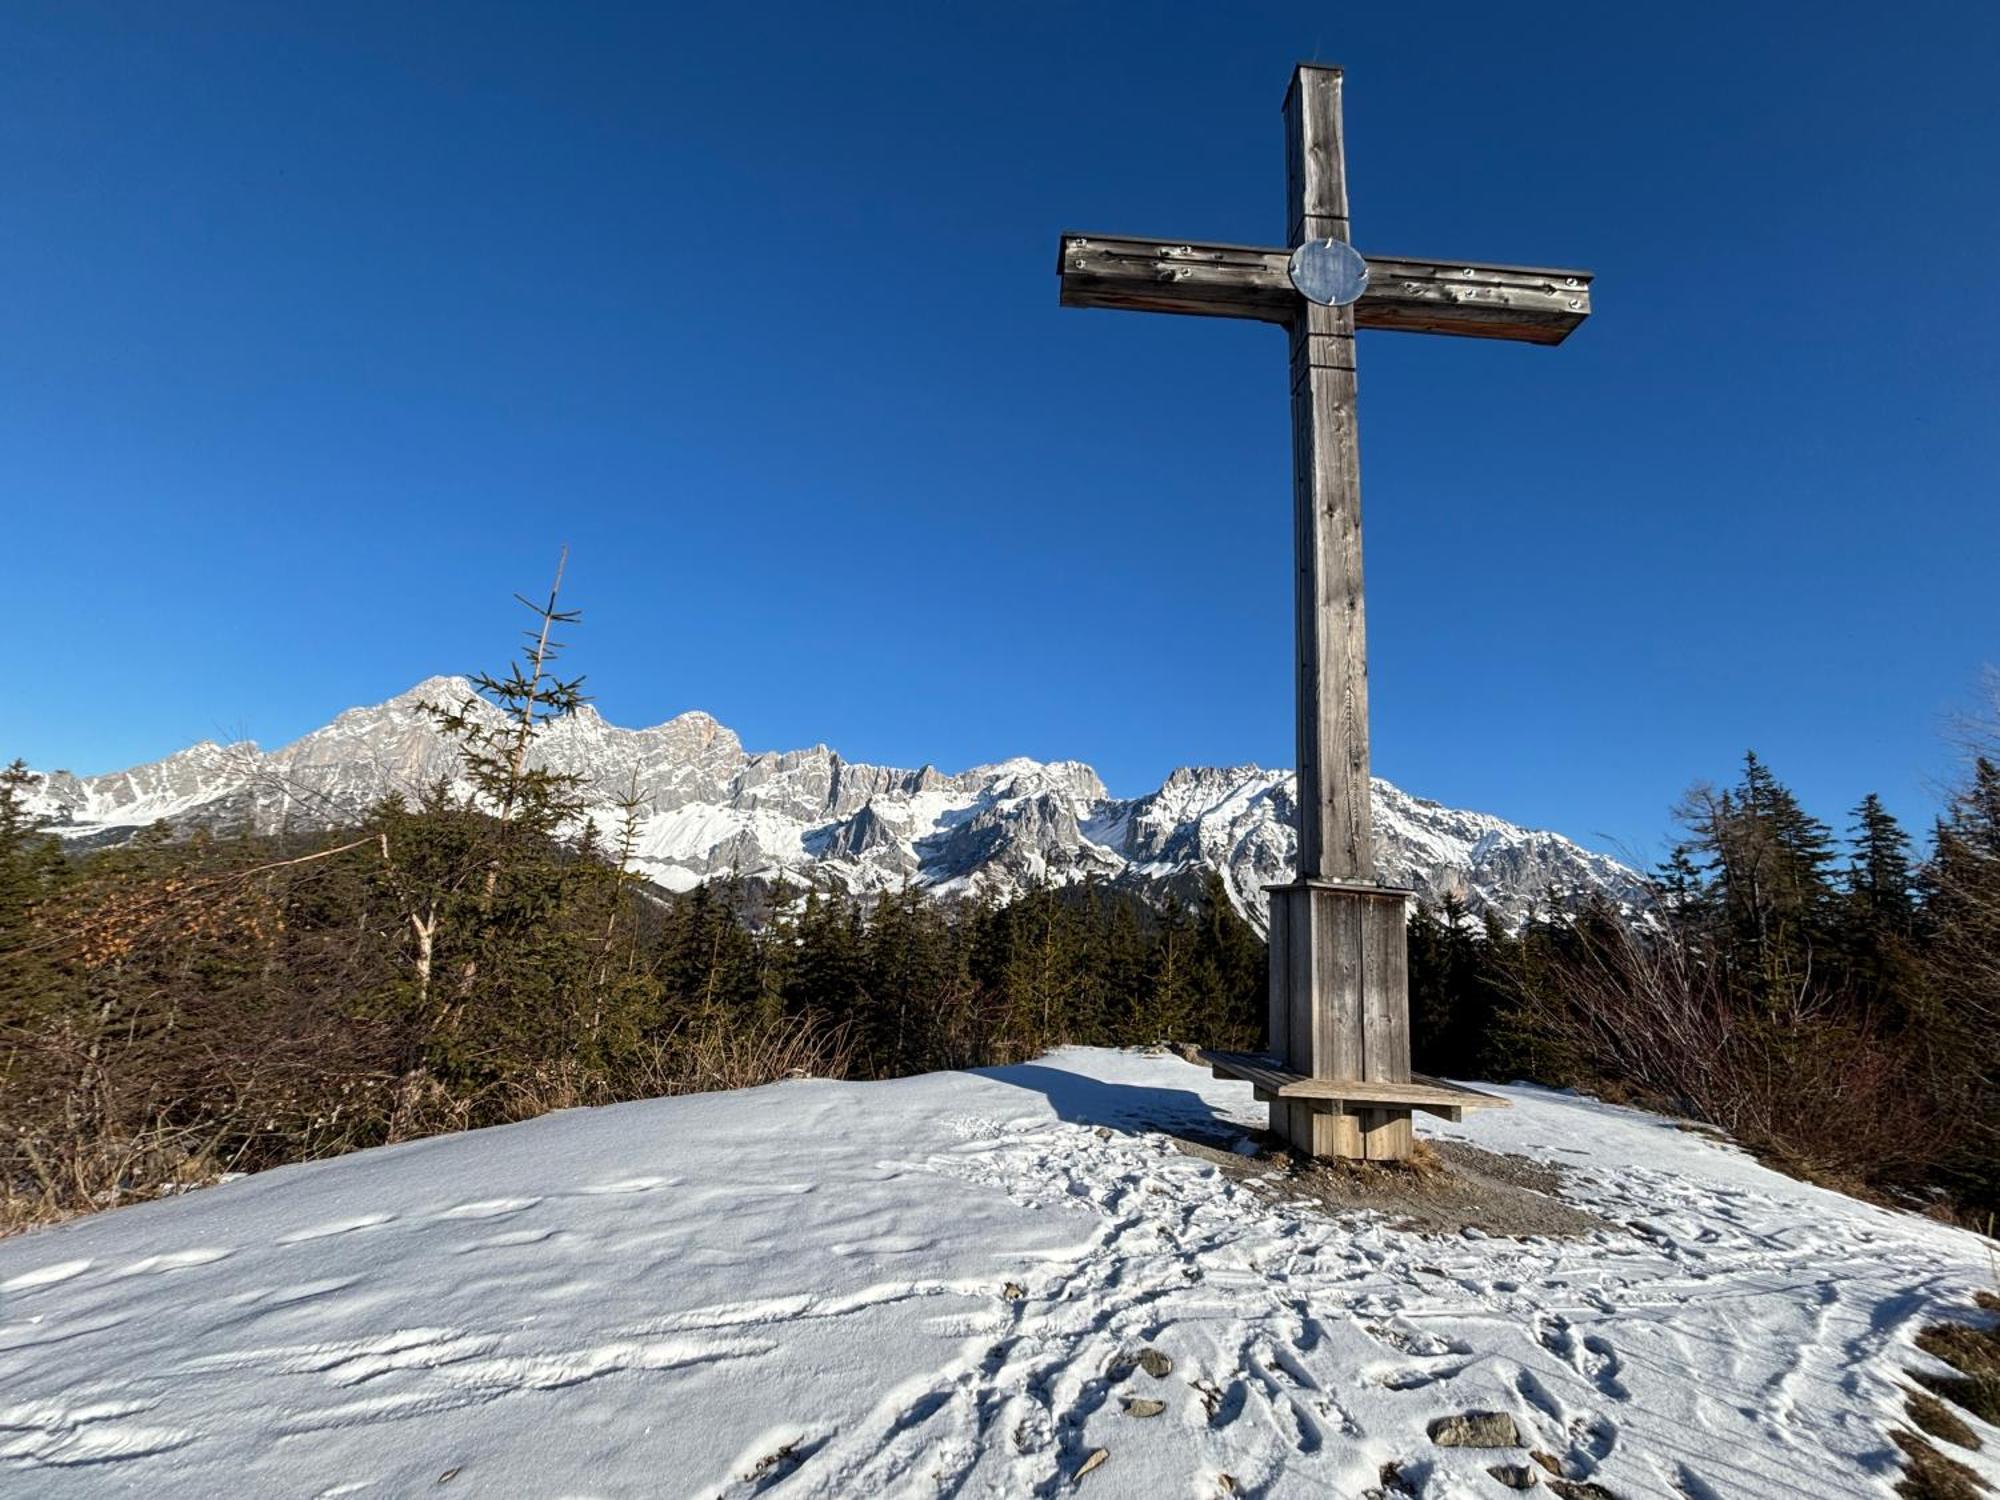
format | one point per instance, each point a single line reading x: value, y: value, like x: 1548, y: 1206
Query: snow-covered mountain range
x: 711, y: 808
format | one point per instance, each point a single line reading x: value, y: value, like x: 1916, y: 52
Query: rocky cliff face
x: 711, y: 808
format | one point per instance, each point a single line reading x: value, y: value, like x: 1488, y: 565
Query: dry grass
x: 1975, y: 1354
x: 54, y: 1174
x: 690, y: 1060
x: 1929, y: 1475
x: 50, y: 1181
x: 1939, y: 1421
x: 726, y: 1056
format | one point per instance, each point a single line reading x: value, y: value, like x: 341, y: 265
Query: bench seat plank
x: 1268, y: 1076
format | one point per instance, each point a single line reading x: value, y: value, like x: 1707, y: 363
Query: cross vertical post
x: 1339, y: 986
x: 1336, y: 1069
x: 1335, y: 829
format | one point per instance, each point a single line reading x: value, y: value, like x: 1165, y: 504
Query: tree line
x: 1830, y: 1001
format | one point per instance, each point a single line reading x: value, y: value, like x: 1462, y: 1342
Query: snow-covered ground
x: 938, y: 1285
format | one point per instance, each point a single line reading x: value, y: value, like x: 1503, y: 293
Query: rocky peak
x: 712, y: 809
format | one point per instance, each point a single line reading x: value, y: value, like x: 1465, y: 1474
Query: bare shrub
x: 721, y: 1053
x: 148, y: 1094
x: 1798, y: 1074
x: 49, y: 1176
x: 691, y: 1058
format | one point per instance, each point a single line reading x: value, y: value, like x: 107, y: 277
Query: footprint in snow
x: 1601, y: 1363
x: 1416, y: 1378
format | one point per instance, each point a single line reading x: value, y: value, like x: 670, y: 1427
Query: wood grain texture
x: 1335, y: 832
x: 1385, y: 1006
x: 1386, y: 1134
x: 1278, y: 1028
x: 1306, y: 985
x: 1520, y: 303
x: 1175, y: 276
x: 1328, y: 1132
x: 1405, y: 294
x: 1341, y: 983
x: 1339, y: 1012
x: 1272, y: 1076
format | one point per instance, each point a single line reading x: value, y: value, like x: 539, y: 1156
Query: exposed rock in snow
x: 712, y: 808
x: 944, y: 1285
x: 1476, y: 1429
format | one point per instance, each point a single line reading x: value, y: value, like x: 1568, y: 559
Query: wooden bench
x: 1272, y: 1080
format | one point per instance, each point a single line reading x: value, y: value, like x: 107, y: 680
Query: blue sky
x: 324, y: 327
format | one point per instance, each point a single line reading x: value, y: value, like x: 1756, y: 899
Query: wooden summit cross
x: 1338, y: 1074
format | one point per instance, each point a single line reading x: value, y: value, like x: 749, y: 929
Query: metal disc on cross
x: 1329, y: 272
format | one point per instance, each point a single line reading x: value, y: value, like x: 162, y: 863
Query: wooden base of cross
x: 1337, y: 1074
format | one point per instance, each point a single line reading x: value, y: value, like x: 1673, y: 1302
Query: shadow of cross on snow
x: 1084, y: 1100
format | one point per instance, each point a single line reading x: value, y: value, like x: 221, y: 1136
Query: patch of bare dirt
x: 1447, y: 1188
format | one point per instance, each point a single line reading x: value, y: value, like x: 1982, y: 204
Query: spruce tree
x: 1430, y: 988
x: 1164, y: 1007
x: 1878, y: 930
x: 30, y: 862
x: 1766, y: 889
x: 1228, y: 974
x: 1124, y: 971
x: 31, y: 871
x: 1878, y: 878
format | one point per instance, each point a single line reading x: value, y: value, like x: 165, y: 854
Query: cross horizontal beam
x: 1526, y: 303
